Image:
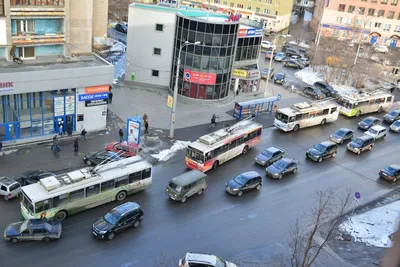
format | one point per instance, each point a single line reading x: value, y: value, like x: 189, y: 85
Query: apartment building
x: 48, y: 74
x: 372, y: 20
x: 304, y: 5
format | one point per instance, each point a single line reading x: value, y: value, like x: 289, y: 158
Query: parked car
x: 94, y: 158
x: 293, y: 52
x: 244, y: 182
x: 269, y: 156
x: 33, y: 230
x: 395, y: 126
x: 326, y: 88
x: 267, y: 45
x: 361, y: 144
x: 9, y: 188
x: 368, y: 122
x: 305, y: 61
x: 121, y: 27
x: 377, y: 132
x: 279, y: 78
x: 120, y: 218
x: 267, y: 74
x: 341, y: 135
x: 295, y: 58
x: 186, y: 185
x: 323, y: 150
x: 197, y: 259
x: 124, y: 149
x: 286, y: 46
x: 381, y: 49
x: 392, y: 116
x: 282, y: 167
x: 32, y: 177
x: 269, y: 55
x: 390, y: 173
x: 293, y: 64
x: 280, y: 56
x: 314, y: 92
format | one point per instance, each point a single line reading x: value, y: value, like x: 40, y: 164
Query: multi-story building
x: 48, y: 74
x: 157, y: 34
x: 378, y: 20
x: 304, y: 5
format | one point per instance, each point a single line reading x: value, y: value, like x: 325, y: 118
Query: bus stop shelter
x: 255, y: 106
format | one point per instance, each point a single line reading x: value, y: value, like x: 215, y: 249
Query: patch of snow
x: 309, y: 76
x: 374, y: 227
x: 119, y: 67
x: 118, y: 46
x: 294, y: 19
x: 307, y: 15
x: 169, y: 153
x: 345, y: 89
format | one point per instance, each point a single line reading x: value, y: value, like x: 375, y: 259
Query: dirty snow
x: 301, y: 44
x: 169, y: 153
x: 374, y: 227
x: 119, y: 67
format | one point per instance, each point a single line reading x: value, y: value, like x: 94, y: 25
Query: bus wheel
x: 296, y: 127
x: 358, y: 113
x: 121, y: 196
x: 215, y: 165
x: 323, y: 121
x: 60, y: 216
x: 380, y: 109
x: 245, y: 149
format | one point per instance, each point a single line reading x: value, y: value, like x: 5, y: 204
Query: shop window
x: 26, y: 52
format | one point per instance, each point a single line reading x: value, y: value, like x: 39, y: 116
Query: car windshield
x: 194, y: 154
x: 240, y: 179
x: 367, y: 121
x: 280, y: 164
x: 340, y: 133
x: 112, y: 217
x: 394, y: 113
x: 23, y: 226
x: 220, y: 262
x: 279, y: 76
x: 358, y: 141
x: 269, y: 53
x: 320, y: 147
x: 267, y: 153
x: 396, y: 123
x: 176, y: 187
x: 390, y: 170
x: 266, y: 71
x: 280, y: 54
x: 373, y: 131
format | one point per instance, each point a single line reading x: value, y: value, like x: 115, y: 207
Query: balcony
x: 43, y: 3
x: 37, y: 8
x: 37, y: 39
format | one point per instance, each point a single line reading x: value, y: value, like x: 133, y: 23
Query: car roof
x: 250, y: 174
x: 188, y: 177
x: 280, y: 73
x: 327, y: 143
x: 378, y: 127
x: 125, y: 143
x: 286, y: 160
x: 39, y: 223
x: 7, y: 181
x: 128, y: 206
x: 365, y: 137
x: 371, y: 118
x: 203, y: 258
x: 395, y: 166
x: 344, y: 130
x: 273, y: 149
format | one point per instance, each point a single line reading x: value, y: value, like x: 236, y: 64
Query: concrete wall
x: 80, y: 22
x: 142, y: 38
x: 47, y: 50
x: 100, y: 14
x: 95, y: 118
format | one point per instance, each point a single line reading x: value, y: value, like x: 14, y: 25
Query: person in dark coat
x: 121, y: 135
x: 76, y: 145
x: 1, y: 147
x: 146, y: 127
x: 83, y: 134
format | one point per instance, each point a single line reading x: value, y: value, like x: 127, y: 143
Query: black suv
x: 322, y: 151
x: 244, y: 182
x: 314, y: 92
x: 361, y: 144
x: 120, y: 218
x: 326, y: 89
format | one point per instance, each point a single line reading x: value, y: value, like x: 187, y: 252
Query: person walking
x: 121, y: 135
x: 83, y: 134
x: 145, y: 117
x: 146, y: 127
x: 1, y: 147
x: 60, y: 129
x: 76, y: 145
x: 110, y: 96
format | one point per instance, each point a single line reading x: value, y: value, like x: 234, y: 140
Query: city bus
x: 355, y: 105
x: 305, y: 114
x: 214, y: 149
x: 57, y: 197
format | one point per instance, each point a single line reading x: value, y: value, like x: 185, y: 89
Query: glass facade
x: 205, y: 69
x: 34, y: 114
x: 248, y: 48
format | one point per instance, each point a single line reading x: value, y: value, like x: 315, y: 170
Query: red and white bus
x: 214, y: 149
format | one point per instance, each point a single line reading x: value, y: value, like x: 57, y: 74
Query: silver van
x: 186, y: 185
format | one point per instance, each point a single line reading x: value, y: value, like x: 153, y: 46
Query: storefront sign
x: 93, y: 103
x: 253, y: 74
x: 93, y: 97
x: 250, y: 32
x: 239, y: 73
x: 336, y: 27
x: 97, y: 89
x: 200, y: 77
x: 6, y: 86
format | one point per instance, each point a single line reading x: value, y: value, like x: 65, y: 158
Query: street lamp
x: 171, y: 127
x: 365, y: 22
x: 270, y: 61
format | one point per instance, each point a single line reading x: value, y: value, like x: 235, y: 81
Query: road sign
x: 357, y: 195
x: 278, y: 96
x: 170, y: 101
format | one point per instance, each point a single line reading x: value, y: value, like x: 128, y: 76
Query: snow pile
x: 119, y: 67
x: 309, y: 76
x: 345, y: 89
x: 301, y: 44
x: 374, y: 226
x: 118, y: 46
x: 169, y: 153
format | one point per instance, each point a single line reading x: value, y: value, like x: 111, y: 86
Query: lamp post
x: 365, y: 22
x: 270, y: 62
x: 171, y: 127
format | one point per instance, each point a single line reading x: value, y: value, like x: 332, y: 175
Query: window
x: 159, y: 27
x: 232, y: 4
x: 122, y: 181
x: 63, y: 199
x: 381, y: 13
x: 397, y: 28
x: 389, y: 99
x: 335, y: 33
x: 257, y: 10
x: 390, y: 15
x: 377, y: 24
x: 363, y: 0
x: 43, y: 205
x: 276, y: 13
x: 298, y: 117
x: 249, y: 8
x: 347, y: 21
x: 325, y: 111
x: 387, y: 27
x: 374, y: 1
x: 76, y: 195
x: 398, y: 16
x: 358, y: 22
x: 342, y: 8
x: 345, y: 34
x: 107, y: 185
x: 92, y: 190
x: 351, y: 9
x: 216, y: 1
x: 225, y: 3
x: 266, y: 11
x: 394, y: 3
x: 157, y: 51
x: 371, y: 11
x: 2, y: 8
x: 26, y: 52
x: 233, y: 144
x: 253, y: 135
x: 25, y: 26
x: 134, y: 177
x: 384, y: 2
x: 155, y: 73
x: 269, y: 2
x: 146, y: 173
x: 339, y: 20
x: 361, y: 10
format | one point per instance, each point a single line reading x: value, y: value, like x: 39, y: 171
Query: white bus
x: 305, y: 114
x: 355, y: 105
x: 215, y: 148
x: 66, y: 194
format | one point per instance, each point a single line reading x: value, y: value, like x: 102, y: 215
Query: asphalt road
x: 253, y: 226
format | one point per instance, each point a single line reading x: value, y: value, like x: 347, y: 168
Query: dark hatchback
x: 326, y: 88
x: 368, y: 122
x: 269, y: 156
x: 392, y: 116
x: 244, y: 182
x: 390, y: 173
x: 32, y: 177
x: 94, y: 158
x: 323, y: 150
x: 33, y: 230
x: 281, y: 167
x: 279, y: 78
x: 118, y: 219
x: 314, y: 92
x: 341, y: 135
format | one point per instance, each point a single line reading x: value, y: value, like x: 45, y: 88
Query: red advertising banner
x: 200, y: 77
x: 242, y: 33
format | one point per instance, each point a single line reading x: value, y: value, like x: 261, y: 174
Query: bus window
x: 225, y: 148
x: 43, y: 205
x: 240, y: 141
x: 232, y: 144
x: 92, y: 190
x: 333, y: 110
x: 291, y: 119
x: 372, y: 101
x: 216, y: 152
x: 62, y: 199
x: 298, y: 117
x: 253, y: 135
x: 208, y: 156
x: 133, y: 177
x: 259, y: 132
x: 304, y: 116
x: 389, y: 99
x: 124, y: 180
x: 75, y: 195
x: 325, y: 111
x: 364, y: 103
x: 107, y: 185
x: 146, y: 173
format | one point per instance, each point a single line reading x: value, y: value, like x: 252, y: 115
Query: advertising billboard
x: 200, y: 77
x: 133, y: 129
x: 250, y: 32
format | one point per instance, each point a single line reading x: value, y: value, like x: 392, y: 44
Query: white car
x: 381, y: 49
x: 377, y: 132
x: 9, y: 188
x: 267, y: 45
x: 197, y: 259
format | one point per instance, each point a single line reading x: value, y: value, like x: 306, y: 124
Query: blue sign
x: 254, y: 32
x: 133, y: 127
x: 357, y: 195
x: 93, y: 97
x: 336, y: 27
x: 278, y: 97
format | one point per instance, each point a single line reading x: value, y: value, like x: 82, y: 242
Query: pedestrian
x: 1, y: 147
x: 145, y: 117
x: 275, y: 109
x: 55, y: 146
x: 146, y: 127
x: 83, y: 134
x: 392, y: 90
x: 76, y: 145
x: 110, y: 96
x: 292, y: 89
x: 121, y: 135
x: 69, y: 128
x: 60, y: 129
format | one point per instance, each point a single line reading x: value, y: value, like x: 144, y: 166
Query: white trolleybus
x: 355, y: 105
x: 57, y: 197
x: 305, y: 114
x: 216, y: 148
